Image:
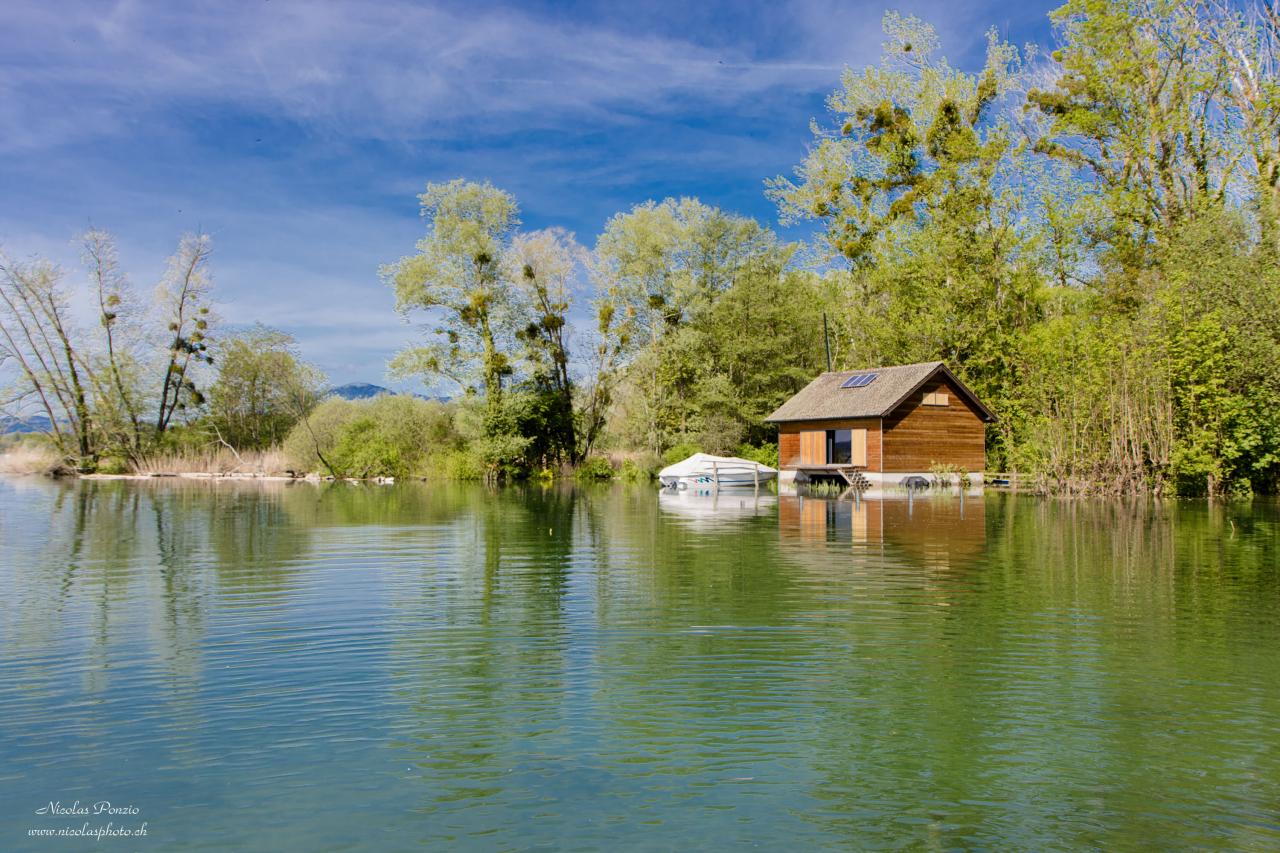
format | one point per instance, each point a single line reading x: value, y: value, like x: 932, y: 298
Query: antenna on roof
x: 826, y: 340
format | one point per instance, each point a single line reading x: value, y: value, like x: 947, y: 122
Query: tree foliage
x: 93, y: 384
x: 497, y: 300
x: 262, y: 389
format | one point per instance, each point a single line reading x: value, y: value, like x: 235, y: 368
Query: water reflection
x: 705, y: 509
x: 933, y: 531
x: 561, y: 667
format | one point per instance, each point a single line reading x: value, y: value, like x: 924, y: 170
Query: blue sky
x: 298, y: 134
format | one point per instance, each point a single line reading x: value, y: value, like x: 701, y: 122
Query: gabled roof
x: 824, y: 399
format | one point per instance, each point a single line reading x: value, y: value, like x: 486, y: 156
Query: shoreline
x: 236, y: 476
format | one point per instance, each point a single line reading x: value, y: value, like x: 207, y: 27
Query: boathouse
x: 881, y: 425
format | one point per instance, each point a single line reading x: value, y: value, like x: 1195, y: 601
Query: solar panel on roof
x: 860, y: 380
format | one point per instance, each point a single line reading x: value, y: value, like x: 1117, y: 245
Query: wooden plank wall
x: 917, y: 436
x: 789, y: 439
x: 813, y: 447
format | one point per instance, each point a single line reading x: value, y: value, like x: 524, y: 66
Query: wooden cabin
x: 882, y: 424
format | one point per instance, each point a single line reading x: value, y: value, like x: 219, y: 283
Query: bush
x: 946, y: 474
x: 502, y: 456
x: 365, y: 450
x: 461, y: 464
x: 721, y: 434
x: 637, y: 472
x: 113, y: 465
x: 683, y: 450
x: 765, y: 454
x: 319, y: 434
x: 594, y: 470
x: 387, y: 436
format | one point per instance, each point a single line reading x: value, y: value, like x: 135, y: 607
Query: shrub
x: 461, y: 464
x: 594, y: 470
x: 683, y: 450
x: 365, y: 450
x: 502, y: 456
x: 113, y: 465
x: 765, y: 454
x: 319, y: 434
x: 720, y: 434
x: 387, y: 436
x: 636, y: 472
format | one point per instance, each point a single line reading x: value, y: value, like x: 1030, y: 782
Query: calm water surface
x: 293, y: 667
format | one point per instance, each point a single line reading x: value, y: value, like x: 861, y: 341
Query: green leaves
x: 912, y: 132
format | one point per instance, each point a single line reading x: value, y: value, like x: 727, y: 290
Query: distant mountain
x: 359, y: 391
x: 366, y: 391
x: 35, y: 423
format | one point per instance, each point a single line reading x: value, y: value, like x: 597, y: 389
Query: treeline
x: 1088, y: 238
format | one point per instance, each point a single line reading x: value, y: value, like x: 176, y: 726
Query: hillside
x: 359, y: 391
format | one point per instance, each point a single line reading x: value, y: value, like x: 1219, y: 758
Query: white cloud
x: 380, y: 68
x: 111, y: 113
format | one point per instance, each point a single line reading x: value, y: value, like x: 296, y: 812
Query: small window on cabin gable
x: 937, y: 398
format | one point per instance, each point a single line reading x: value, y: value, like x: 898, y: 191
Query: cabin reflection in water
x: 937, y: 529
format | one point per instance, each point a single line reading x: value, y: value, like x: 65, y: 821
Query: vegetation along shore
x: 1089, y: 239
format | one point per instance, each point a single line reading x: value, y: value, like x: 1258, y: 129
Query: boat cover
x: 700, y: 463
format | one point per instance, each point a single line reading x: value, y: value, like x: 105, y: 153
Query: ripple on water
x: 562, y: 668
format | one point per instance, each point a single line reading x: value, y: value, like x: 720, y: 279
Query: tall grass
x: 27, y: 458
x: 213, y: 460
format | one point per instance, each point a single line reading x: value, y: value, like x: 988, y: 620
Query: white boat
x: 704, y: 471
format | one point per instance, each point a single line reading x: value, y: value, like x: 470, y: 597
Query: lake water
x: 295, y: 667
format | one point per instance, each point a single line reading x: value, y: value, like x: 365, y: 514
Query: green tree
x: 544, y: 264
x: 656, y: 269
x: 1139, y: 108
x: 924, y: 192
x: 262, y: 388
x: 1246, y: 41
x: 458, y: 278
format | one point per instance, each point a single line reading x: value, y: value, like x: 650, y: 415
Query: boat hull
x: 726, y: 479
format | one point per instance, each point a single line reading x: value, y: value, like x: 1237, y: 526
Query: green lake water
x: 299, y: 667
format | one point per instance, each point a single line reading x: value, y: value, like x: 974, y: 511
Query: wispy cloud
x: 380, y: 68
x: 299, y: 132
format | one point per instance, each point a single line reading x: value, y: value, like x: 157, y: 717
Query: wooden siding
x: 858, y: 447
x: 916, y: 436
x: 813, y: 447
x: 789, y: 451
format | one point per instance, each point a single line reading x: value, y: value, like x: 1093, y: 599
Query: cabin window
x: 847, y: 447
x: 937, y: 398
x: 839, y: 446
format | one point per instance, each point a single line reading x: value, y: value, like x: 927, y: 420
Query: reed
x: 213, y: 460
x: 28, y: 458
x: 822, y: 489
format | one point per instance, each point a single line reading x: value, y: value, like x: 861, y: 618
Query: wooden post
x: 755, y: 473
x: 715, y: 476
